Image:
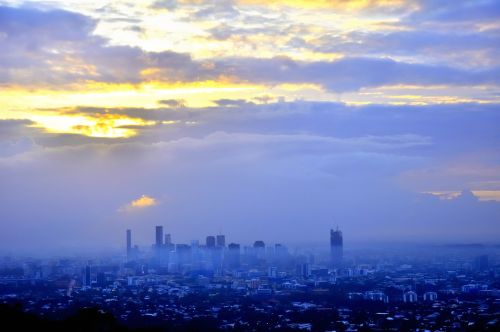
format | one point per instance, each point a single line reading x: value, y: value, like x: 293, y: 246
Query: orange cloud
x: 140, y: 203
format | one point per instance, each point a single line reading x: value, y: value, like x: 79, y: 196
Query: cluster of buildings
x: 215, y: 255
x: 220, y: 286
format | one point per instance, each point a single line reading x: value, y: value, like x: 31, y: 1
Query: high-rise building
x: 336, y: 247
x: 221, y: 240
x: 259, y: 248
x: 168, y: 239
x: 210, y: 243
x: 233, y: 255
x: 183, y: 252
x: 159, y: 236
x: 129, y: 243
x: 280, y: 254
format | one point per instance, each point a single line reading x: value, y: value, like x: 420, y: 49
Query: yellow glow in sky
x: 145, y: 95
x: 105, y: 125
x: 46, y: 108
x: 140, y: 203
x: 143, y: 201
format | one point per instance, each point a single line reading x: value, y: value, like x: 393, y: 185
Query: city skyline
x: 213, y: 241
x: 271, y: 120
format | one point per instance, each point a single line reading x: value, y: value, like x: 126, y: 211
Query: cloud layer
x: 54, y: 47
x: 252, y: 171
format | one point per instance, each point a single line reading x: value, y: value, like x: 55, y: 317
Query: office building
x: 210, y: 242
x: 233, y: 255
x: 221, y: 240
x: 336, y: 248
x: 168, y: 239
x: 159, y: 236
x: 259, y: 248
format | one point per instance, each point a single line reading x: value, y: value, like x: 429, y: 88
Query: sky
x: 261, y: 120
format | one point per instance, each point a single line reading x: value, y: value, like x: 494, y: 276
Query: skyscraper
x: 183, y: 252
x: 129, y: 243
x: 210, y: 242
x: 159, y: 236
x: 221, y: 240
x: 168, y: 239
x: 336, y: 247
x: 259, y: 248
x: 233, y: 255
